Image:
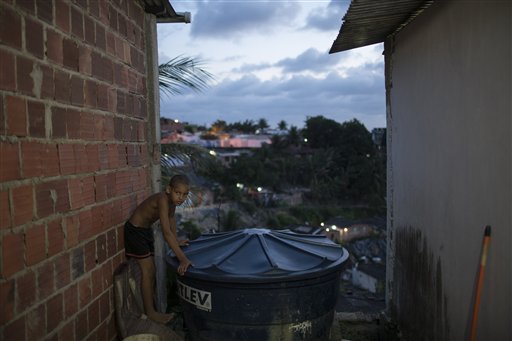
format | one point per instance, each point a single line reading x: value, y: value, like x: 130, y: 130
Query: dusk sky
x: 270, y: 60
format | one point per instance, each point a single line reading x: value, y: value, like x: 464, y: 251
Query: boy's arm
x: 169, y: 231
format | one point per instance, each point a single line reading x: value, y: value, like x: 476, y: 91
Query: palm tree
x: 181, y: 73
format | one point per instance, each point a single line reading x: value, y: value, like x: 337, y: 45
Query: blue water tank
x: 260, y: 284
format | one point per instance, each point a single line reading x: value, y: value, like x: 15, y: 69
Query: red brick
x: 108, y: 128
x: 101, y: 248
x: 99, y: 127
x: 90, y: 255
x: 85, y: 229
x: 45, y: 11
x: 73, y: 124
x: 97, y: 282
x: 77, y: 263
x: 92, y: 157
x: 85, y: 60
x: 107, y: 274
x: 36, y: 323
x: 71, y: 300
x: 113, y: 156
x: 77, y: 23
x: 12, y: 254
x: 75, y: 193
x: 90, y: 91
x: 72, y: 223
x: 7, y: 76
x: 31, y: 153
x: 34, y: 41
x: 55, y: 237
x: 54, y: 312
x: 105, y: 305
x: 87, y: 127
x: 23, y: 203
x: 112, y: 99
x: 36, y: 119
x: 52, y: 197
x: 10, y: 169
x: 88, y: 190
x: 45, y: 280
x: 35, y: 240
x: 102, y: 331
x: 50, y: 160
x: 29, y: 6
x: 10, y: 28
x: 89, y: 34
x: 16, y: 109
x: 66, y: 159
x: 102, y: 97
x: 84, y: 289
x: 62, y: 270
x: 77, y: 90
x: 15, y: 330
x: 103, y: 156
x: 25, y: 82
x: 59, y: 122
x: 47, y: 86
x: 67, y: 332
x: 97, y: 221
x: 7, y: 298
x: 70, y: 54
x: 111, y: 243
x: 3, y: 117
x: 62, y: 20
x: 93, y: 314
x: 101, y: 187
x: 25, y: 291
x: 62, y: 88
x: 5, y: 210
x: 128, y: 105
x: 81, y: 325
x: 80, y: 158
x: 54, y: 50
x: 111, y: 43
x: 101, y: 41
x: 113, y: 18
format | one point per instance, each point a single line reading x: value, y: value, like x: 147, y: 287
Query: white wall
x: 449, y: 169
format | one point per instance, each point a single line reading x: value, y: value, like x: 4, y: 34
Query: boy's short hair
x: 179, y: 179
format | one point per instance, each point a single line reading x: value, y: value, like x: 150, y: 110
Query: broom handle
x: 483, y: 260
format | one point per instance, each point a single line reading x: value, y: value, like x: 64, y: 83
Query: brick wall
x: 74, y: 161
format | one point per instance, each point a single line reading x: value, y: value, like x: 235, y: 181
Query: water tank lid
x: 260, y: 255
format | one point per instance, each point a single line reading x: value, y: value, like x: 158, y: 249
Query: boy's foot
x: 162, y: 318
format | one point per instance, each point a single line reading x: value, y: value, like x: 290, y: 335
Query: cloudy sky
x: 270, y: 60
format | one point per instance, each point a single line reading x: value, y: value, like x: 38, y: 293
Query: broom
x: 483, y: 260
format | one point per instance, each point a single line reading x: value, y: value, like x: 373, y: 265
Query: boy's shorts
x: 138, y: 241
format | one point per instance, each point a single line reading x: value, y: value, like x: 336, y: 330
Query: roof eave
x: 370, y: 22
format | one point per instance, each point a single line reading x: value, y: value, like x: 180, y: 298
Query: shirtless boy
x: 138, y: 238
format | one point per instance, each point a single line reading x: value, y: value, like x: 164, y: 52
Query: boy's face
x: 177, y: 194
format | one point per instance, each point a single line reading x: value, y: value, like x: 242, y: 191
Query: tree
x: 262, y: 123
x: 322, y: 132
x: 282, y: 125
x: 181, y: 73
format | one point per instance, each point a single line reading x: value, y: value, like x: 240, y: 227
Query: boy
x: 138, y: 238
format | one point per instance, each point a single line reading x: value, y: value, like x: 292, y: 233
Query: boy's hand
x: 183, y: 242
x: 182, y: 268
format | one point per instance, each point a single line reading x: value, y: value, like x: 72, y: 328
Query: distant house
x: 369, y: 276
x: 245, y: 141
x: 345, y: 230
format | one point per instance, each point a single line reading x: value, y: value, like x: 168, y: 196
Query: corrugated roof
x: 371, y: 21
x: 164, y: 11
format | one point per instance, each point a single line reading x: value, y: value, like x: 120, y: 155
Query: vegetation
x: 339, y: 163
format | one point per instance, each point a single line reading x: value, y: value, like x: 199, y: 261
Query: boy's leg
x: 147, y: 267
